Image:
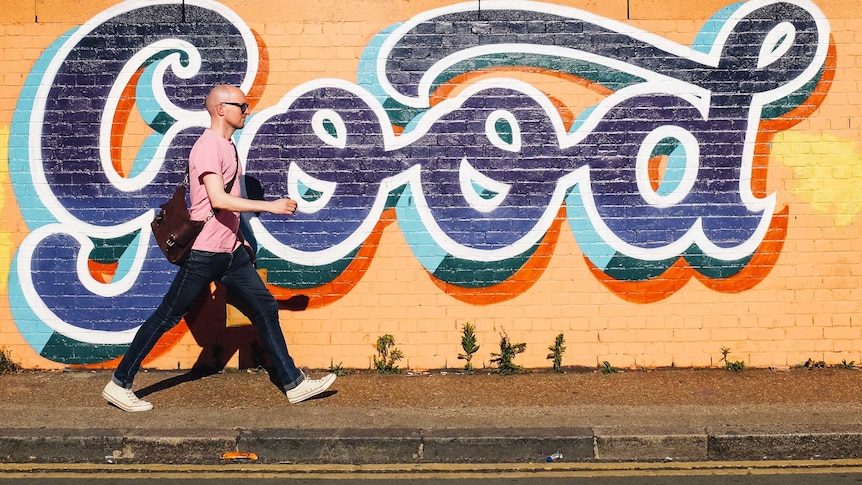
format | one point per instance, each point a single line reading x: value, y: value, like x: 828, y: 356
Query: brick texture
x: 793, y: 296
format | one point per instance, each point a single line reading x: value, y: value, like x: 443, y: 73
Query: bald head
x: 227, y: 108
x: 223, y: 94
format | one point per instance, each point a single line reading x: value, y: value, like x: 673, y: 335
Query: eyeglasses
x: 243, y: 107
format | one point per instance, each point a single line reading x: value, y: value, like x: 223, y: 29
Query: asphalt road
x: 789, y: 473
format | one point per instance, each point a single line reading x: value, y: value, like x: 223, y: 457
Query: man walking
x: 217, y: 255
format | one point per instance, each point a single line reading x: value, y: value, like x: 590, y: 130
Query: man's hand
x: 283, y: 206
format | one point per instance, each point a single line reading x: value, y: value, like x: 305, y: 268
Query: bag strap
x: 229, y: 186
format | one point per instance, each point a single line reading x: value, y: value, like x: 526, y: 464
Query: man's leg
x: 243, y: 280
x: 198, y: 271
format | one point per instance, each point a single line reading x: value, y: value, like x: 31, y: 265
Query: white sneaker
x: 124, y: 398
x: 309, y: 388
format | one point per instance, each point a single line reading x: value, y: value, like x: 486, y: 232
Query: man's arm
x: 219, y: 199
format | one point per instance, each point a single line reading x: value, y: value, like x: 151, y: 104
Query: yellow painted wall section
x: 797, y: 299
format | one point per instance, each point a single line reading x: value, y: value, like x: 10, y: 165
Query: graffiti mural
x: 660, y: 181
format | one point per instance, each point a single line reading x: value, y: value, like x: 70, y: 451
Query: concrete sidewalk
x: 673, y: 415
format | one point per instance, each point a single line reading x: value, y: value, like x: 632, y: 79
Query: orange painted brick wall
x: 803, y: 304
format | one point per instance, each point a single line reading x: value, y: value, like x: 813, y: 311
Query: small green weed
x: 557, y: 351
x: 387, y: 355
x: 337, y: 369
x: 735, y: 366
x: 7, y: 365
x: 607, y: 368
x: 845, y: 365
x: 505, y: 360
x: 468, y: 343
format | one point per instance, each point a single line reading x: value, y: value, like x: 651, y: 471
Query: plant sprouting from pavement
x: 557, y: 351
x: 812, y: 364
x: 735, y: 366
x: 468, y: 343
x: 607, y: 368
x: 7, y: 365
x: 337, y: 369
x: 387, y: 355
x: 505, y: 360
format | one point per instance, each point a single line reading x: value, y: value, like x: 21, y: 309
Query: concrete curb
x: 406, y: 446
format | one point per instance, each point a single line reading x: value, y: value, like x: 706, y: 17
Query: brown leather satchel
x: 175, y: 232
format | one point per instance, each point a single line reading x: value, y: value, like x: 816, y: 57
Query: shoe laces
x: 131, y: 396
x: 318, y: 382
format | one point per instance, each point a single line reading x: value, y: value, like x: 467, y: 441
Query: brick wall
x: 655, y: 180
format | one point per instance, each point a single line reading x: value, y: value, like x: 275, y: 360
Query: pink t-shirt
x: 212, y: 153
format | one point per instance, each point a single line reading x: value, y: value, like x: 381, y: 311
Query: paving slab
x: 695, y: 416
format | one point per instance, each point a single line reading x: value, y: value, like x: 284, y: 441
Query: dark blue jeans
x: 202, y: 267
